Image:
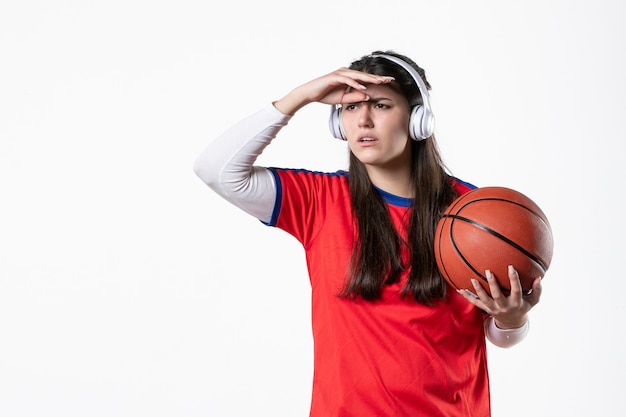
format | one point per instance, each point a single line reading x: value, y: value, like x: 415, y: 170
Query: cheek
x: 347, y: 119
x: 399, y: 129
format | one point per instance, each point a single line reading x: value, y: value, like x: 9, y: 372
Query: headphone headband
x: 421, y: 85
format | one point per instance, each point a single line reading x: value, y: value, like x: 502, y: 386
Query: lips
x: 367, y: 139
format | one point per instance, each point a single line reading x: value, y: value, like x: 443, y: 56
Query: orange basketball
x: 492, y: 228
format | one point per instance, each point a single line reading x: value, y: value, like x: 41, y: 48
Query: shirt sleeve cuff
x: 505, y: 338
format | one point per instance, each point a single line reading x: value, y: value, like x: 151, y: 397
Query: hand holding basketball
x: 510, y: 312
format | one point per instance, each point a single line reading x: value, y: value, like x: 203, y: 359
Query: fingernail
x: 511, y: 269
x: 475, y: 283
x: 488, y: 274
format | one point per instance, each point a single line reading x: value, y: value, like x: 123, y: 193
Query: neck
x: 396, y: 181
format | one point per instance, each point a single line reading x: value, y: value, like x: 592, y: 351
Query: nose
x: 364, y: 118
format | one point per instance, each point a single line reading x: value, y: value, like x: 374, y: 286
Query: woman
x: 390, y: 336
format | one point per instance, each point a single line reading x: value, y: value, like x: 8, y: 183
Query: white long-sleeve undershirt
x: 227, y: 163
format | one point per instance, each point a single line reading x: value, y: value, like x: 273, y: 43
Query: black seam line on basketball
x: 538, y: 215
x: 443, y: 264
x: 498, y: 235
x: 477, y: 273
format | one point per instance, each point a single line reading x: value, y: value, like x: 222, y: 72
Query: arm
x: 227, y: 164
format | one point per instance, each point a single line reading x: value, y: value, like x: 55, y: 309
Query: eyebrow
x: 372, y: 100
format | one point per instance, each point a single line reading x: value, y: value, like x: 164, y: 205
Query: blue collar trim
x: 394, y: 199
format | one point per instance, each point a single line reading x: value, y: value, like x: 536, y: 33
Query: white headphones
x: 422, y: 120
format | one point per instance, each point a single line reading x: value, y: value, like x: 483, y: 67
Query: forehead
x: 390, y: 91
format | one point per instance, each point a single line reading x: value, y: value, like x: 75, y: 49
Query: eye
x: 349, y: 107
x: 381, y: 106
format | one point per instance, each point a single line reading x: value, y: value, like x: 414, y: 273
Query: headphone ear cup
x: 421, y: 124
x: 334, y: 123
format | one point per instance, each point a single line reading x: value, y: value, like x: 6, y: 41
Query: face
x: 378, y: 129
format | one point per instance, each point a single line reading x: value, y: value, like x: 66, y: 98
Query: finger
x: 467, y: 294
x: 534, y: 297
x: 494, y: 286
x: 471, y: 298
x: 354, y: 97
x: 515, y: 283
x: 482, y: 294
x: 365, y: 77
x: 358, y: 80
x: 352, y: 83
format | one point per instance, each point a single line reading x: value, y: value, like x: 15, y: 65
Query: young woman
x: 391, y: 338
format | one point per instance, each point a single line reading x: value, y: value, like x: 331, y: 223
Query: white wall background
x: 128, y: 289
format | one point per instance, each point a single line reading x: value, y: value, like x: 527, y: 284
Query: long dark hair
x: 376, y: 260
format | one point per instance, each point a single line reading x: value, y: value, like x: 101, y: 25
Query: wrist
x: 292, y: 102
x: 510, y: 324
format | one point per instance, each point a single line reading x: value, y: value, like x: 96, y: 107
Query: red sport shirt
x: 393, y: 357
